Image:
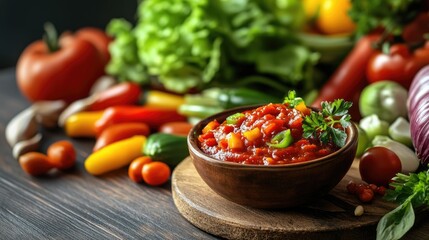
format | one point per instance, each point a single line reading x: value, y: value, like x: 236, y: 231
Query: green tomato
x: 386, y: 99
x: 363, y: 142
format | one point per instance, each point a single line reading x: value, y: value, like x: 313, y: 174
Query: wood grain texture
x: 329, y: 218
x: 75, y: 204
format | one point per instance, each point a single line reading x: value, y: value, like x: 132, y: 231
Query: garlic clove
x: 26, y: 146
x: 21, y: 127
x: 48, y: 112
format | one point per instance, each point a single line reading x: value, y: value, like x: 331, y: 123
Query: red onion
x: 418, y: 114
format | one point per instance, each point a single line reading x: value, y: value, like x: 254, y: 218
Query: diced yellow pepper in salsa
x: 234, y: 141
x: 253, y: 134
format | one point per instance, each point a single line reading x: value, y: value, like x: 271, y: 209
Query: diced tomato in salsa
x: 248, y: 139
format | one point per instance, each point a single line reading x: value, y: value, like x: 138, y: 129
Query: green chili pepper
x: 281, y: 140
x: 235, y: 97
x: 233, y: 119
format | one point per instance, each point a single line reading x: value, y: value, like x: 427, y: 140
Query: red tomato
x: 378, y: 165
x: 35, y: 163
x: 67, y: 73
x: 62, y: 154
x: 399, y: 65
x: 176, y: 128
x: 135, y: 168
x: 156, y: 173
x: 97, y: 37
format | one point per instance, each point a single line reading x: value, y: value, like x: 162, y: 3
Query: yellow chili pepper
x: 115, y: 156
x: 161, y: 99
x: 82, y: 124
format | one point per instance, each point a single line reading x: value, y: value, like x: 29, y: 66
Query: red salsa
x: 268, y: 135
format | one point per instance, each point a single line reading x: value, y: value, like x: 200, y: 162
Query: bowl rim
x: 192, y: 141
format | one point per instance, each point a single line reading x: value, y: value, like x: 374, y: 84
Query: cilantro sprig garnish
x: 323, y: 125
x: 292, y: 100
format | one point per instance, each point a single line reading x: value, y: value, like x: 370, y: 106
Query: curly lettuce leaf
x: 124, y: 62
x: 197, y: 44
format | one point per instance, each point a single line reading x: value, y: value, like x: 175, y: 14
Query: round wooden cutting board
x: 331, y: 217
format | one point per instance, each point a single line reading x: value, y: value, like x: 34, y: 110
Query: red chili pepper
x: 126, y: 93
x: 154, y: 117
x: 349, y: 78
x: 120, y: 131
x: 399, y: 64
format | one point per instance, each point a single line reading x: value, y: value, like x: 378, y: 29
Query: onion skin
x: 418, y: 114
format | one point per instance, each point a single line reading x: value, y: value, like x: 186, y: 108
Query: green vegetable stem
x: 411, y: 191
x: 214, y: 100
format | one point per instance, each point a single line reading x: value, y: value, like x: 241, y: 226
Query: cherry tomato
x: 381, y: 190
x: 156, y: 173
x: 399, y: 65
x: 176, y: 128
x: 62, y: 154
x: 120, y: 131
x: 365, y: 195
x: 352, y: 187
x: 135, y: 168
x: 378, y: 165
x: 35, y: 163
x: 333, y: 18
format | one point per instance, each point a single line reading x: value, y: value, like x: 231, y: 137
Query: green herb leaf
x: 390, y: 15
x: 322, y: 125
x: 338, y: 136
x: 411, y: 191
x: 396, y: 223
x: 292, y: 100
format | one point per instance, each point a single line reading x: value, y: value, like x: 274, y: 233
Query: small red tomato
x: 366, y: 195
x: 176, y: 128
x: 35, y: 163
x: 156, y: 173
x: 378, y: 165
x: 62, y: 154
x: 381, y: 190
x: 352, y: 187
x: 135, y: 168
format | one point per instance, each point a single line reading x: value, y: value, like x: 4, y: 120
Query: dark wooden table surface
x: 77, y: 205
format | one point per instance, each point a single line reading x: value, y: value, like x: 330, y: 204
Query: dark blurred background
x: 21, y: 21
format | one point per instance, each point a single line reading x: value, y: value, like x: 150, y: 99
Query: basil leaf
x: 396, y: 223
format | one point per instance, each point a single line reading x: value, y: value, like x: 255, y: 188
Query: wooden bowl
x: 276, y: 186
